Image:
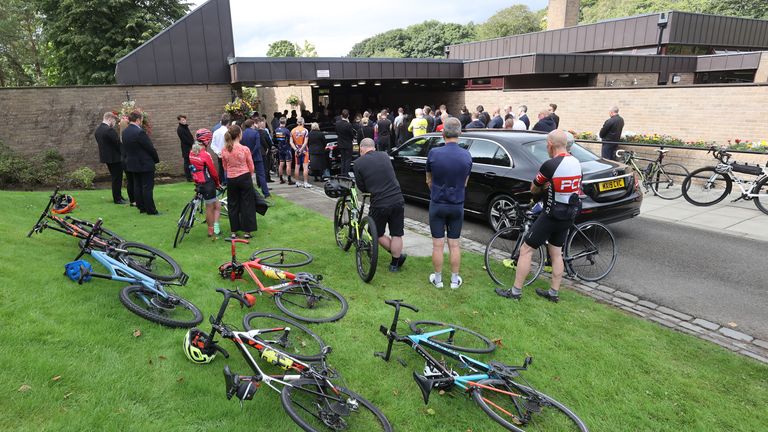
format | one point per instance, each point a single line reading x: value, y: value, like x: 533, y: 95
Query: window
x: 489, y: 153
x: 414, y: 147
x: 538, y: 149
x: 436, y: 142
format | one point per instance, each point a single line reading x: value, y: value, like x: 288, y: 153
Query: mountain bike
x: 709, y: 185
x: 499, y: 389
x: 299, y: 295
x: 351, y: 226
x: 306, y: 386
x: 589, y: 252
x: 664, y: 179
x: 191, y: 211
x: 146, y: 296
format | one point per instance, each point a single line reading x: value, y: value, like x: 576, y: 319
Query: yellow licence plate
x: 610, y: 185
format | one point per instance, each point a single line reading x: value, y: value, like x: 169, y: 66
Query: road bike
x: 193, y: 209
x: 351, y: 226
x: 299, y: 295
x: 146, y: 295
x: 589, y: 252
x: 664, y: 179
x: 72, y: 226
x: 709, y: 185
x: 499, y: 389
x: 306, y: 382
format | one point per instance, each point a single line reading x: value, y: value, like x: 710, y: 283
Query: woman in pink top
x: 241, y: 198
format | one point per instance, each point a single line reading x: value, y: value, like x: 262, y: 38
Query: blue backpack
x: 75, y: 269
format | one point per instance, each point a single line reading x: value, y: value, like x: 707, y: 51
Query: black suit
x: 185, y: 136
x: 140, y: 159
x: 546, y: 124
x: 524, y: 118
x: 611, y: 132
x: 345, y: 133
x: 109, y: 153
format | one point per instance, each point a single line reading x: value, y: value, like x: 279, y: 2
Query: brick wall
x: 710, y: 113
x: 273, y: 99
x: 64, y: 118
x: 761, y: 75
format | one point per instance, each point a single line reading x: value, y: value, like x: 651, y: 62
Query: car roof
x: 505, y: 136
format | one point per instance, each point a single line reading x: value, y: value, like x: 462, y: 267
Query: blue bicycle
x: 144, y: 268
x: 492, y: 385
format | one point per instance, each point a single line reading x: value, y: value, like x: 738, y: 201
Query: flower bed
x: 669, y: 141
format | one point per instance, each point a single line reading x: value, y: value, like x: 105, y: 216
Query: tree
x: 22, y: 52
x: 87, y: 37
x: 427, y: 39
x: 282, y: 48
x: 514, y: 20
x: 598, y: 10
x: 308, y: 50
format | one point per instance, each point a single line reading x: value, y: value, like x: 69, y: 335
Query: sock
x: 517, y: 291
x: 454, y: 278
x: 553, y: 292
x: 394, y: 261
x: 438, y: 277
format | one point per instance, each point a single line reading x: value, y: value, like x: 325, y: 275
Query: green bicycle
x: 352, y: 226
x: 664, y: 179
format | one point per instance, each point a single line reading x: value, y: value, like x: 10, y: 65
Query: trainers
x: 216, y: 228
x: 282, y: 181
x: 291, y: 182
x: 507, y: 293
x: 432, y: 281
x: 457, y: 284
x: 298, y: 184
x: 509, y: 263
x: 545, y: 293
x: 400, y: 261
x: 307, y: 186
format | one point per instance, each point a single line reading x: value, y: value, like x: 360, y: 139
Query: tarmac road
x: 718, y: 277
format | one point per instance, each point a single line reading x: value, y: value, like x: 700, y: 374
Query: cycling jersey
x: 563, y: 173
x: 202, y: 168
x: 281, y: 138
x: 299, y: 137
x: 418, y: 126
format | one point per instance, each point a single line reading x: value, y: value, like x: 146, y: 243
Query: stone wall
x: 273, y: 99
x: 709, y: 113
x: 64, y: 118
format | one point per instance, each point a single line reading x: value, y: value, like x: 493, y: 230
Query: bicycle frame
x: 64, y: 226
x: 745, y: 193
x: 271, y: 272
x: 356, y: 209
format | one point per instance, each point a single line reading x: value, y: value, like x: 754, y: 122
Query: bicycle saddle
x: 304, y: 277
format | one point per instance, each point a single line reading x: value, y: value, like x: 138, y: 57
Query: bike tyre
x: 341, y: 224
x: 689, y: 189
x: 761, y: 188
x: 186, y: 218
x: 126, y: 256
x: 367, y: 250
x: 149, y: 314
x: 668, y: 175
x: 590, y: 231
x: 250, y: 323
x: 296, y: 290
x: 484, y: 347
x: 507, y: 241
x: 297, y: 257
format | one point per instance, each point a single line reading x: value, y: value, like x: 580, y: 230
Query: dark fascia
x: 235, y: 60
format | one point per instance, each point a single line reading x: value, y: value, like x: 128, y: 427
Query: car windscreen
x: 538, y: 149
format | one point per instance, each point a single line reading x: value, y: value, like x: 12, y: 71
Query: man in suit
x: 555, y: 117
x: 345, y: 133
x: 109, y: 153
x: 546, y: 123
x: 611, y: 133
x: 522, y: 115
x: 140, y: 159
x: 185, y: 136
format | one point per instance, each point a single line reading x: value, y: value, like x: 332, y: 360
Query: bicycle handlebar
x: 399, y: 303
x: 51, y: 200
x: 246, y: 299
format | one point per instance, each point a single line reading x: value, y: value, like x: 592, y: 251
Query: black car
x: 504, y: 164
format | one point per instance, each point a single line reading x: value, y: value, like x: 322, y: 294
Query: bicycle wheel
x: 311, y: 302
x: 706, y: 187
x: 171, y: 311
x: 462, y: 339
x: 501, y: 258
x: 149, y: 261
x: 590, y: 251
x: 314, y: 406
x: 367, y: 249
x: 286, y: 335
x: 516, y: 407
x: 667, y: 182
x: 282, y: 257
x: 186, y: 219
x: 761, y: 200
x: 341, y: 225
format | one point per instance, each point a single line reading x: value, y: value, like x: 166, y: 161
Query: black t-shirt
x: 384, y: 127
x: 374, y: 174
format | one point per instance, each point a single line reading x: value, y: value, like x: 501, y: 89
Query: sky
x: 337, y: 25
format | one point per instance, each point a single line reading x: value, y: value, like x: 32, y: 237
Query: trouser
x: 261, y: 178
x: 383, y: 144
x: 130, y: 186
x: 144, y: 185
x: 346, y: 161
x: 222, y: 173
x: 608, y: 151
x: 116, y: 173
x: 241, y: 204
x: 185, y: 154
x: 266, y: 157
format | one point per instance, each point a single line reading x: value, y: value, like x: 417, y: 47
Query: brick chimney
x: 562, y: 13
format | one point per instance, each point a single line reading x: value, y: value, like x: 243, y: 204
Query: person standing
x: 345, y: 134
x: 241, y: 198
x: 129, y: 180
x: 384, y: 129
x: 318, y: 158
x: 374, y: 174
x: 284, y: 155
x: 206, y: 179
x: 418, y: 125
x: 140, y: 159
x: 496, y: 122
x: 299, y: 136
x: 109, y: 154
x: 522, y: 115
x: 546, y: 123
x: 185, y: 136
x: 465, y: 118
x: 251, y: 139
x: 218, y: 143
x: 429, y: 118
x: 555, y: 117
x: 448, y: 169
x: 476, y: 123
x: 610, y: 134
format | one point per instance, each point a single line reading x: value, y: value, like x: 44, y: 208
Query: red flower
x: 737, y: 140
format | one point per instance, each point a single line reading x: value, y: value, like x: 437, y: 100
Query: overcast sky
x: 337, y: 25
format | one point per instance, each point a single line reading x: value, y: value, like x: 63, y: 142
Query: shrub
x: 41, y: 169
x: 82, y: 178
x: 163, y: 169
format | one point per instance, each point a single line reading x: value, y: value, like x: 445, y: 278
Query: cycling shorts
x: 446, y: 217
x: 548, y: 229
x: 284, y: 154
x: 208, y: 190
x: 301, y: 159
x: 394, y: 217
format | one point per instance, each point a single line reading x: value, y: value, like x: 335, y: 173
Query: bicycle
x: 493, y: 386
x: 352, y: 226
x: 300, y: 295
x: 709, y: 185
x: 664, y: 179
x: 307, y: 391
x: 589, y: 252
x: 146, y: 296
x: 189, y: 214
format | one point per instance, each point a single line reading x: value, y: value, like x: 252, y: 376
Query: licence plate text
x: 610, y: 185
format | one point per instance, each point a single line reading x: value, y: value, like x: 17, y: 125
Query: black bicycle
x: 191, y: 211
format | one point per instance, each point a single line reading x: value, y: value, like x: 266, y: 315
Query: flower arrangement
x: 665, y: 140
x: 292, y: 100
x: 128, y: 107
x: 250, y: 94
x: 239, y: 109
x: 747, y: 145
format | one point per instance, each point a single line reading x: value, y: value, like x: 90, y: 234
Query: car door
x: 491, y: 165
x: 410, y: 161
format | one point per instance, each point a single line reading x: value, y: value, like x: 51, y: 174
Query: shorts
x: 547, y: 228
x: 446, y: 217
x: 284, y: 155
x: 301, y: 159
x: 208, y: 190
x: 394, y: 217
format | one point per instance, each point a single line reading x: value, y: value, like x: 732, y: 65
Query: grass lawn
x: 73, y: 347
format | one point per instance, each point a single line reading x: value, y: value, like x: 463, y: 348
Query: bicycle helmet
x: 194, y: 347
x: 63, y: 204
x: 334, y: 189
x: 204, y: 136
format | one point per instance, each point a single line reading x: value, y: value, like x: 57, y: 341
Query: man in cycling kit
x: 562, y: 175
x: 298, y: 142
x: 284, y: 154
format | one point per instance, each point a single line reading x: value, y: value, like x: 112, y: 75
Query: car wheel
x: 498, y: 215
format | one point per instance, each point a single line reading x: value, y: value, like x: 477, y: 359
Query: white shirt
x: 398, y: 120
x: 518, y: 125
x: 217, y: 142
